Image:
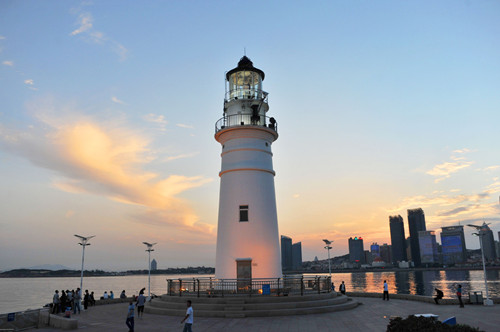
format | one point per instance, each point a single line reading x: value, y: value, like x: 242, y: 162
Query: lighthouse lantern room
x: 247, y: 235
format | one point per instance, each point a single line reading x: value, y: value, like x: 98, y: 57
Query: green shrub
x: 413, y: 323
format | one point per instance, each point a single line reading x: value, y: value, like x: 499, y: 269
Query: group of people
x: 439, y: 295
x: 70, y: 300
x: 139, y: 304
x: 385, y: 296
x: 141, y: 300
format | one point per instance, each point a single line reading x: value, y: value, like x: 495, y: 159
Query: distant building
x: 398, y: 243
x: 368, y: 257
x: 408, y: 248
x: 297, y: 256
x: 375, y: 250
x: 154, y: 265
x: 428, y: 247
x: 386, y: 253
x: 488, y: 243
x: 286, y: 253
x: 453, y: 245
x: 416, y: 223
x: 356, y: 250
x: 316, y: 259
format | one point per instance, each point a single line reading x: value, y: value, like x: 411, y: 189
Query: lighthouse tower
x: 247, y: 235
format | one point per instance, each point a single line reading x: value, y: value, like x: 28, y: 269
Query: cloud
x: 184, y: 126
x: 181, y: 156
x: 456, y: 211
x: 85, y: 22
x: 437, y: 200
x: 29, y: 82
x: 2, y: 37
x: 444, y: 170
x: 116, y: 100
x: 8, y: 63
x: 159, y: 119
x: 489, y: 168
x: 102, y: 159
x: 88, y: 32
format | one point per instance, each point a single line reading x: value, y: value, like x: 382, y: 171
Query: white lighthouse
x: 247, y: 236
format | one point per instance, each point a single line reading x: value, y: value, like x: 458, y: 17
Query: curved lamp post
x: 480, y: 235
x: 84, y: 242
x: 328, y: 247
x: 150, y: 248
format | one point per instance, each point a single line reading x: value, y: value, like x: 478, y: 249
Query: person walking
x: 386, y: 291
x: 459, y: 295
x: 189, y: 318
x: 130, y: 316
x: 141, y: 299
x: 439, y: 295
x: 55, y: 302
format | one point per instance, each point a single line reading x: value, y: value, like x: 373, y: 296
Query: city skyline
x: 108, y: 114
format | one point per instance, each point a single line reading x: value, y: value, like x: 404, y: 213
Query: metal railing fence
x: 245, y: 120
x: 212, y: 287
x: 19, y: 321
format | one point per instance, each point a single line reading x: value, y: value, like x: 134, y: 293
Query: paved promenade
x: 372, y: 315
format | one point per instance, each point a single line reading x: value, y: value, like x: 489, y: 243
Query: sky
x: 108, y: 109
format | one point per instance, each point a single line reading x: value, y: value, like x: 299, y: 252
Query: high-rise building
x: 398, y: 243
x: 386, y: 253
x: 356, y: 250
x: 428, y: 247
x: 416, y: 223
x: 154, y: 265
x: 488, y: 243
x: 297, y: 256
x: 286, y: 253
x: 453, y: 245
x: 375, y: 250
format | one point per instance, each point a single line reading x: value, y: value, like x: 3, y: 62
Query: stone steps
x: 252, y: 307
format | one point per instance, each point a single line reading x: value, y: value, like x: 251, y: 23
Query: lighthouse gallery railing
x: 237, y: 120
x: 211, y: 287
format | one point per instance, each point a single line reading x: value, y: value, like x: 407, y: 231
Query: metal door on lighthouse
x: 244, y: 274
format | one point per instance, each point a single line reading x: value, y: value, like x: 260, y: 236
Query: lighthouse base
x: 260, y: 306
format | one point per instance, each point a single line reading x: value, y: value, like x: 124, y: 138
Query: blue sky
x: 108, y: 111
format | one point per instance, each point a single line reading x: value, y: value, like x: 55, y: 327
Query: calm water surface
x: 19, y: 294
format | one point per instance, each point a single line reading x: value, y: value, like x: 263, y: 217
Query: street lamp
x: 150, y: 248
x: 478, y: 234
x: 84, y: 243
x: 327, y: 247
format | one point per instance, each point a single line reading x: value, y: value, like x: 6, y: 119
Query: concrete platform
x: 257, y: 306
x: 372, y: 315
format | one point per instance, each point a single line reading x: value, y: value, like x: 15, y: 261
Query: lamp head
x: 327, y: 241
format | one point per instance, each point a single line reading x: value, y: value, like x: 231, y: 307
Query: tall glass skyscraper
x: 286, y: 253
x: 490, y: 253
x: 398, y: 242
x: 356, y: 250
x: 297, y: 256
x: 453, y: 245
x: 416, y: 223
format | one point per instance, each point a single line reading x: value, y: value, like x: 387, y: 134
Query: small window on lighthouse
x: 243, y: 213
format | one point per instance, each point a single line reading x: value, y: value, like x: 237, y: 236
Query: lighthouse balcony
x: 238, y: 120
